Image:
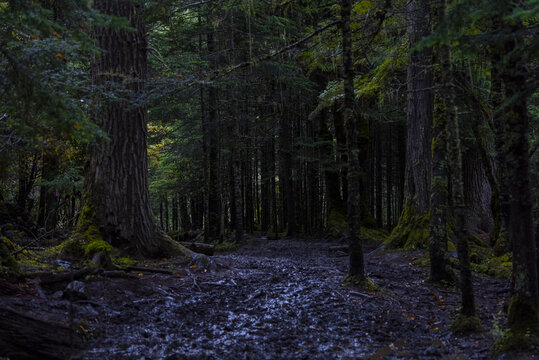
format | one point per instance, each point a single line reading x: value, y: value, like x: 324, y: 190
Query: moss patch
x: 97, y: 246
x: 123, y: 262
x: 523, y: 320
x: 465, y: 325
x: 361, y: 283
x: 72, y: 249
x: 412, y: 232
x: 8, y: 263
x: 172, y: 248
x: 495, y: 266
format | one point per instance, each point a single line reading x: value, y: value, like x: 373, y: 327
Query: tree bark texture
x: 116, y: 197
x: 525, y: 304
x: 420, y: 110
x: 459, y: 211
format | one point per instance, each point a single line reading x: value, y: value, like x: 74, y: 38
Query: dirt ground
x: 274, y: 299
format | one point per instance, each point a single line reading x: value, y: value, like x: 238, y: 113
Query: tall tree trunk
x: 523, y: 313
x: 213, y: 231
x: 418, y: 147
x: 500, y: 200
x: 286, y: 168
x: 116, y: 197
x: 459, y: 211
x: 379, y: 179
x: 48, y: 198
x: 389, y: 177
x: 357, y: 267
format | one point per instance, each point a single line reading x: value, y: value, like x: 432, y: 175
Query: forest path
x: 284, y: 299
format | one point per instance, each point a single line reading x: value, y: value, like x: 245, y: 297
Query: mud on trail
x: 278, y: 299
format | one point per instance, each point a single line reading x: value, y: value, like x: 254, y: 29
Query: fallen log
x: 201, y: 248
x: 25, y: 337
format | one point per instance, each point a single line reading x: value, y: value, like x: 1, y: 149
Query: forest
x: 269, y: 179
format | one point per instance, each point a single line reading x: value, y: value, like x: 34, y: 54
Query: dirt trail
x: 284, y: 299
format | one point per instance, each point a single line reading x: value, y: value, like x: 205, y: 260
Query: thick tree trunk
x: 420, y: 108
x: 523, y: 310
x: 417, y: 175
x: 116, y: 197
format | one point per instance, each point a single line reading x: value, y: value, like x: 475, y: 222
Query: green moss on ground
x: 465, y: 325
x: 495, y: 266
x: 123, y: 262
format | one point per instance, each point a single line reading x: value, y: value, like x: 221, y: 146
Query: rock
x: 58, y: 295
x: 76, y: 289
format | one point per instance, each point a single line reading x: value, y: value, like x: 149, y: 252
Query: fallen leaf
x: 194, y: 266
x: 140, y: 274
x: 62, y: 57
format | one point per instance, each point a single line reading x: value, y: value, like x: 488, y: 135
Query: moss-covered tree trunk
x: 116, y: 198
x: 357, y: 267
x: 419, y: 137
